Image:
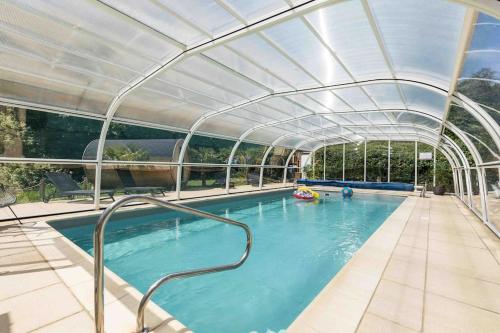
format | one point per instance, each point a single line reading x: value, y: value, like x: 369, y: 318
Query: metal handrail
x: 99, y: 256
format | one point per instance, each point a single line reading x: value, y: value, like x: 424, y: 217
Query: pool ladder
x: 99, y: 256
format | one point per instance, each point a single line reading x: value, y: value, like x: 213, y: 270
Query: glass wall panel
x: 29, y: 182
x: 292, y: 175
x: 138, y: 179
x: 203, y: 149
x: 136, y: 143
x: 318, y: 164
x: 493, y: 199
x: 460, y: 144
x: 273, y: 177
x: 465, y: 191
x: 334, y: 162
x: 354, y: 161
x: 203, y: 180
x: 249, y: 153
x: 444, y: 174
x: 37, y: 134
x: 277, y: 156
x: 245, y: 179
x: 480, y: 77
x: 425, y: 167
x: 377, y: 161
x: 476, y: 198
x: 402, y: 162
x: 476, y: 132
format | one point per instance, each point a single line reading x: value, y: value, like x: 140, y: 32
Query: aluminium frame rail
x: 99, y: 256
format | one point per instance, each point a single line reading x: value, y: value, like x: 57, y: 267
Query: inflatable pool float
x: 304, y: 193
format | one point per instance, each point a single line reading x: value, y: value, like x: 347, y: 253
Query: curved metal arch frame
x: 431, y: 141
x: 435, y: 143
x: 297, y: 11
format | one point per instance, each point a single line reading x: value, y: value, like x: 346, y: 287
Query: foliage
x: 125, y: 153
x: 11, y: 129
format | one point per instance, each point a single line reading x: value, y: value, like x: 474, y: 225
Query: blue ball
x: 347, y: 192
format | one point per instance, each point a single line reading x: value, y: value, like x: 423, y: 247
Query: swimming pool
x: 298, y: 248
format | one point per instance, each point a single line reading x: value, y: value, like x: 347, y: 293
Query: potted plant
x: 439, y: 190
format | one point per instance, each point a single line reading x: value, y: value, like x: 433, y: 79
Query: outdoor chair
x: 253, y: 179
x: 130, y: 186
x: 221, y: 181
x: 67, y: 187
x: 496, y: 189
x: 7, y: 198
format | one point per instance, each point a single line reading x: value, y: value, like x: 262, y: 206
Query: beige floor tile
x: 443, y: 315
x: 409, y: 254
x: 28, y: 257
x: 340, y: 317
x: 398, y: 303
x: 16, y: 280
x: 374, y: 324
x: 469, y: 240
x: 39, y: 308
x: 468, y: 290
x: 77, y: 323
x: 471, y: 262
x: 420, y: 242
x: 409, y: 273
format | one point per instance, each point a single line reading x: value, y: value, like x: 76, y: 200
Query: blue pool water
x: 298, y: 248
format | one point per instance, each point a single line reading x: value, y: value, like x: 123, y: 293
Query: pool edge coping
x: 347, y: 295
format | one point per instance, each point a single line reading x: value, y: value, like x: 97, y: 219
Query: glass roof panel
x: 486, y: 32
x: 357, y: 119
x: 346, y: 29
x: 411, y: 29
x: 422, y: 99
x: 286, y: 106
x: 267, y: 134
x: 52, y: 55
x: 176, y: 80
x: 330, y: 101
x: 480, y: 78
x: 377, y: 118
x: 171, y: 91
x: 294, y: 141
x: 341, y: 120
x: 200, y: 68
x: 411, y: 118
x: 261, y: 52
x: 37, y: 89
x: 299, y: 43
x: 91, y: 17
x: 159, y: 17
x: 150, y: 106
x: 239, y: 63
x: 262, y: 110
x: 356, y: 98
x: 25, y: 65
x: 255, y: 9
x: 233, y: 126
x: 385, y: 95
x: 309, y: 103
x: 205, y: 14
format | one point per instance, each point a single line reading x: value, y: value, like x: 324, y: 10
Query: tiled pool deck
x: 431, y: 267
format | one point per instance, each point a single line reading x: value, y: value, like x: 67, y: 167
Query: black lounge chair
x: 67, y: 187
x: 253, y: 179
x: 130, y: 186
x: 221, y: 181
x: 7, y: 198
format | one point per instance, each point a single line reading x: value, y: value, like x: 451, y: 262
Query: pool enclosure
x: 192, y: 95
